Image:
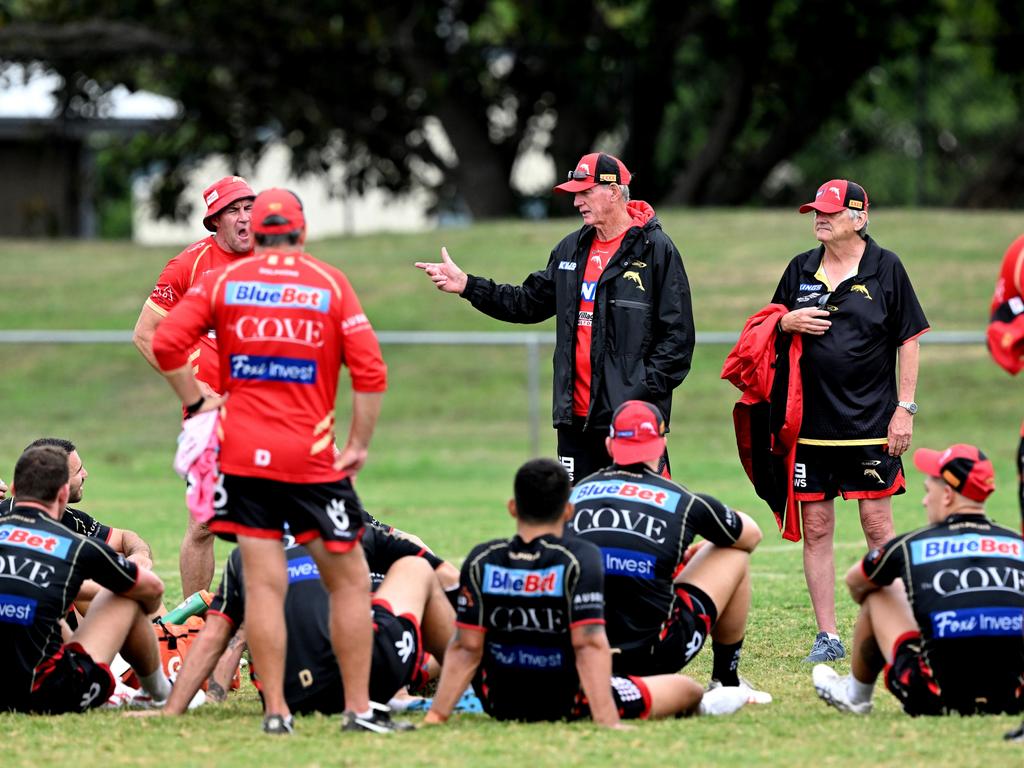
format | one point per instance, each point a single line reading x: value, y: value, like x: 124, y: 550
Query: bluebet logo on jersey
x: 976, y: 622
x: 302, y: 569
x: 966, y: 545
x: 626, y: 562
x: 548, y: 582
x: 588, y: 291
x: 292, y: 370
x: 617, y: 489
x: 37, y: 541
x: 279, y: 296
x: 15, y: 609
x: 526, y: 656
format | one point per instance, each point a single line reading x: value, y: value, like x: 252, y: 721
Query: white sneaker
x: 723, y: 700
x: 834, y: 689
x: 754, y: 696
x: 142, y: 699
x: 121, y: 696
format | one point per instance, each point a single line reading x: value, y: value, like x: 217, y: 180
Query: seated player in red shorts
x: 941, y: 607
x: 530, y: 626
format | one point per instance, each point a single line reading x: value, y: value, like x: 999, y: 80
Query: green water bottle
x: 194, y: 605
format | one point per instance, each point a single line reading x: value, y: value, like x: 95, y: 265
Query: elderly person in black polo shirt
x: 853, y: 302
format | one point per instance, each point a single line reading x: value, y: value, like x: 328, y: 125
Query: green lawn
x: 452, y: 433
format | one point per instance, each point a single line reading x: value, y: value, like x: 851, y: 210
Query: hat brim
x: 574, y: 186
x: 222, y: 203
x: 927, y: 461
x: 626, y: 452
x: 821, y: 207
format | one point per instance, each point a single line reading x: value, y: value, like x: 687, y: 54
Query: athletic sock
x: 832, y: 636
x: 367, y: 715
x: 726, y: 662
x: 859, y: 692
x: 157, y: 684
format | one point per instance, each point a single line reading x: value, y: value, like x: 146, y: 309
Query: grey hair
x: 624, y: 190
x: 855, y: 215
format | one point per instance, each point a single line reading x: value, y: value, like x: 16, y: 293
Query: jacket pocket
x: 629, y: 326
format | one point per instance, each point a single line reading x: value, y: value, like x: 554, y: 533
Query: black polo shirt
x: 849, y: 373
x: 965, y: 582
x: 78, y: 521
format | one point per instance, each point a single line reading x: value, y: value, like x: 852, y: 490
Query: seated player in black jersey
x: 942, y: 607
x: 121, y: 540
x: 659, y: 612
x: 530, y: 626
x: 412, y: 618
x: 43, y: 566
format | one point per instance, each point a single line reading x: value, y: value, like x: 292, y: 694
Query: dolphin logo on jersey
x: 635, y: 277
x: 861, y: 289
x: 874, y: 473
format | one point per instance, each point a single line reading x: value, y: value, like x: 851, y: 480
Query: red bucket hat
x: 593, y: 169
x: 223, y: 193
x: 637, y: 432
x: 964, y: 467
x: 837, y: 194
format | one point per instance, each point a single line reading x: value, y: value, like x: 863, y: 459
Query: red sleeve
x: 176, y: 279
x: 192, y: 317
x: 360, y: 346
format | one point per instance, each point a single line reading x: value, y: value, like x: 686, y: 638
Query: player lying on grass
x: 941, y: 607
x: 44, y: 565
x: 659, y: 616
x: 121, y: 540
x: 412, y: 618
x: 530, y: 626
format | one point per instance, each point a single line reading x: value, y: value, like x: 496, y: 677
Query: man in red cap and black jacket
x: 941, y: 607
x: 621, y: 300
x: 229, y: 218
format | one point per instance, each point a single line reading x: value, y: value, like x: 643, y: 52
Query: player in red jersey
x: 285, y: 323
x: 229, y: 218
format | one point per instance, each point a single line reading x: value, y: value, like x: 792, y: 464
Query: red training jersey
x: 1011, y: 276
x: 601, y: 253
x: 180, y: 274
x: 285, y: 324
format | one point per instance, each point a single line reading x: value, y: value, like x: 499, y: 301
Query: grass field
x: 451, y: 435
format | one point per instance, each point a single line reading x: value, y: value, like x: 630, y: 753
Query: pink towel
x: 196, y: 461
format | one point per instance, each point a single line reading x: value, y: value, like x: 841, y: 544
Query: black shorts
x: 632, y: 700
x: 257, y: 507
x: 70, y: 681
x: 910, y: 679
x: 583, y: 452
x: 1020, y: 479
x: 857, y: 472
x: 692, y: 616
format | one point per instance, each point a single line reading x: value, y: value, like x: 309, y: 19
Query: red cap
x: 1005, y: 335
x: 277, y: 212
x: 964, y: 467
x: 837, y: 194
x: 593, y: 169
x: 223, y: 193
x: 637, y: 432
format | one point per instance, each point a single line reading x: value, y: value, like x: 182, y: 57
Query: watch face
x: 911, y: 407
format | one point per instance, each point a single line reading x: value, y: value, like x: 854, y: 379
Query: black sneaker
x: 278, y: 725
x: 379, y: 721
x: 1016, y: 735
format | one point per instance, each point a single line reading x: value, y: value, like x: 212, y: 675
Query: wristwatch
x: 911, y: 406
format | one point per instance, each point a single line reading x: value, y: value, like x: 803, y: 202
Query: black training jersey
x: 78, y: 521
x: 310, y: 665
x: 643, y: 523
x: 849, y: 373
x: 42, y: 567
x: 965, y: 581
x: 527, y: 596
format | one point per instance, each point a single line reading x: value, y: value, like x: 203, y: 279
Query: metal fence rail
x: 532, y: 340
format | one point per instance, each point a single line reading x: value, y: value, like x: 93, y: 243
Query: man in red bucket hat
x: 229, y: 217
x: 941, y: 607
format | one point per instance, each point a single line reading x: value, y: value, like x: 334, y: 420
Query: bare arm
x: 147, y: 591
x: 901, y: 425
x: 132, y: 546
x: 365, y: 411
x: 189, y: 389
x: 199, y: 663
x: 460, y: 663
x: 594, y: 665
x: 142, y: 336
x: 860, y: 585
x: 751, y: 535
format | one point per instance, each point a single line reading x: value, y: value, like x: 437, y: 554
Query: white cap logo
x: 211, y: 197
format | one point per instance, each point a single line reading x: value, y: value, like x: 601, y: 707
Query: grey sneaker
x: 833, y: 689
x: 278, y: 725
x: 825, y: 649
x: 1016, y: 735
x: 379, y: 721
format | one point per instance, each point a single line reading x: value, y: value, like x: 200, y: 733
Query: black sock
x: 726, y: 662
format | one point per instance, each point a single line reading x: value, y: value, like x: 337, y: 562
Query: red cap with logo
x: 837, y: 194
x: 637, y: 432
x: 964, y: 467
x: 223, y: 193
x: 277, y: 212
x: 593, y: 169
